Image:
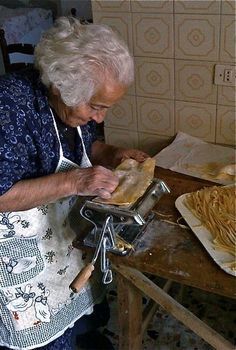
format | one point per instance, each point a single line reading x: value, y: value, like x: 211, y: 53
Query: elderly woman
x: 49, y: 155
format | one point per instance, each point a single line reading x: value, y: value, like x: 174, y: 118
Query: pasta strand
x: 214, y: 207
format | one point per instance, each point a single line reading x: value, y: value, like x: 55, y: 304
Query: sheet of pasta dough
x: 193, y: 156
x: 134, y: 179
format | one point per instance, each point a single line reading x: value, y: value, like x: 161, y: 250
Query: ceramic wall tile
x: 157, y: 6
x: 121, y: 137
x: 123, y: 114
x: 196, y: 6
x: 110, y: 6
x: 228, y: 7
x: 227, y: 95
x: 155, y: 116
x: 151, y: 143
x: 197, y: 37
x: 119, y: 22
x: 196, y: 119
x: 131, y: 89
x: 155, y: 77
x: 227, y: 43
x: 153, y: 35
x: 194, y: 81
x: 226, y: 123
x: 173, y: 67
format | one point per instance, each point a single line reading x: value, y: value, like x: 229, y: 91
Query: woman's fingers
x: 103, y: 193
x: 139, y: 156
x: 97, y: 181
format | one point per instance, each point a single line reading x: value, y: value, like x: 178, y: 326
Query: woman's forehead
x: 109, y: 93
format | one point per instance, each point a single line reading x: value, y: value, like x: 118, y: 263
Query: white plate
x: 204, y: 236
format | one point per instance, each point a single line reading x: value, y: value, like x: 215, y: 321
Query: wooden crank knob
x: 81, y: 279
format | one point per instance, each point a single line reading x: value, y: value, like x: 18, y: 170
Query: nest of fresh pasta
x: 214, y: 207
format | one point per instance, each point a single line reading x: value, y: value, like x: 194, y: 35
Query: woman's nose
x: 99, y: 116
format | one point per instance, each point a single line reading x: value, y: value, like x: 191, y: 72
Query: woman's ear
x: 55, y: 91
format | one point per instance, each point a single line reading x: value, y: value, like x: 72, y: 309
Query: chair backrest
x: 6, y: 49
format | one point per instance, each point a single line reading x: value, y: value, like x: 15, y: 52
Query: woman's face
x: 95, y: 109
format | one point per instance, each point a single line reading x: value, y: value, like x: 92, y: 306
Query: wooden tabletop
x: 170, y: 251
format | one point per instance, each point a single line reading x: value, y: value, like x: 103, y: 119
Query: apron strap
x: 85, y: 162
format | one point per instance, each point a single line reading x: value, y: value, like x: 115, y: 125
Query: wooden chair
x: 6, y: 49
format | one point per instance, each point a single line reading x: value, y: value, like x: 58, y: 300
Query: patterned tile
x: 196, y: 6
x: 121, y: 137
x: 196, y: 119
x: 152, y: 144
x: 227, y: 95
x: 123, y: 114
x: 119, y: 22
x: 131, y: 89
x: 194, y: 81
x: 228, y: 7
x: 197, y: 37
x: 152, y: 6
x: 227, y: 43
x: 153, y: 35
x: 156, y: 116
x: 175, y: 65
x: 226, y: 125
x: 154, y: 77
x: 110, y: 6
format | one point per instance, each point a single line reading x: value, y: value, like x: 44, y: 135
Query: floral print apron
x: 37, y: 265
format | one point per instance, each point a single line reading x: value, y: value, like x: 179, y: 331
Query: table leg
x: 129, y: 315
x: 147, y: 287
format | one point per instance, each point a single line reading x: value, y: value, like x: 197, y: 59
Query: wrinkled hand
x: 93, y: 181
x: 135, y: 154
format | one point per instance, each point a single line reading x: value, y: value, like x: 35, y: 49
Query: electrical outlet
x: 225, y: 75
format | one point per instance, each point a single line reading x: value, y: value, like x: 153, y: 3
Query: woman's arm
x: 111, y: 156
x: 27, y: 194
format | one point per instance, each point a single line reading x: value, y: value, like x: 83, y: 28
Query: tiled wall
x: 176, y: 45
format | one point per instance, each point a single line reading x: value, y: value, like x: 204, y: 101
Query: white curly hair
x: 76, y: 58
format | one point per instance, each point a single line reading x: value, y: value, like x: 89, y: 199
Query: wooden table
x: 166, y: 250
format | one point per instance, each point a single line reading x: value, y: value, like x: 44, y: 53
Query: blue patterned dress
x: 29, y: 148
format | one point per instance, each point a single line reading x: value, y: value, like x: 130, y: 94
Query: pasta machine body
x: 126, y: 223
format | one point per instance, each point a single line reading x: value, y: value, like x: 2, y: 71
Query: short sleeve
x: 15, y: 142
x: 29, y: 146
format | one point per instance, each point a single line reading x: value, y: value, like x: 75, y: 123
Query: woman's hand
x: 94, y: 181
x: 111, y: 156
x: 27, y: 194
x: 135, y: 154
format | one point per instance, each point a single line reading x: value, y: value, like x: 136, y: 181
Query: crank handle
x: 82, y: 278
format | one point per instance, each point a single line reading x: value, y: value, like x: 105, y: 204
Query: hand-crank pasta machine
x: 116, y: 229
